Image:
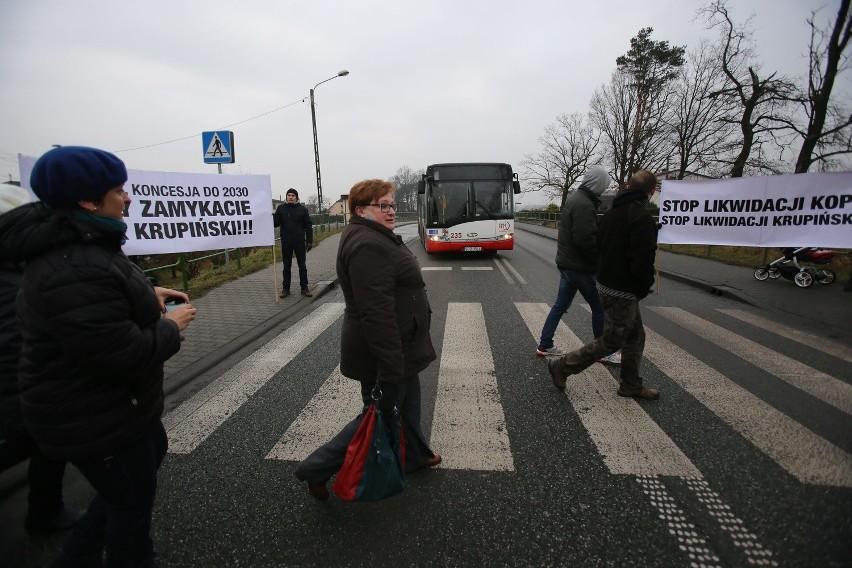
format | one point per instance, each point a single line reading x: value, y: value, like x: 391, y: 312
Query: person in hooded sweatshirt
x: 95, y: 337
x: 627, y: 241
x: 297, y: 237
x: 577, y: 260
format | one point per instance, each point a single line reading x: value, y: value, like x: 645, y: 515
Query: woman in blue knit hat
x: 95, y: 337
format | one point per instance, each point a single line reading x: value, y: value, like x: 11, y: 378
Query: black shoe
x: 638, y: 392
x: 40, y: 524
x: 317, y: 490
x: 306, y: 293
x: 556, y: 367
x: 285, y: 293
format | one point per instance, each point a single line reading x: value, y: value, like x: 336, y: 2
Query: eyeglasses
x: 383, y: 206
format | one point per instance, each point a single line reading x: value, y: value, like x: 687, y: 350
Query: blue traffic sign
x: 218, y: 147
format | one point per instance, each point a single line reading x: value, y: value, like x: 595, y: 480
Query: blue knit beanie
x: 68, y: 174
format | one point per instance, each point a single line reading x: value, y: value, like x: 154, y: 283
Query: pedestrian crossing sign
x: 218, y: 146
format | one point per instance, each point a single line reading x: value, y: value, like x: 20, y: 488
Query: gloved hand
x: 308, y: 246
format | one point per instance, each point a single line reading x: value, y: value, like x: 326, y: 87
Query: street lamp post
x: 316, y: 143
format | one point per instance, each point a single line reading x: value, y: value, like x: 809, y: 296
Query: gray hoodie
x: 576, y: 247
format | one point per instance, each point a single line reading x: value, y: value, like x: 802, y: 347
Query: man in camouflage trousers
x: 627, y: 242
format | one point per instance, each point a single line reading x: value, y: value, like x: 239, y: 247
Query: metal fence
x: 322, y: 223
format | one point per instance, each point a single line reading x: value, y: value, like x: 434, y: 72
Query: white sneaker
x: 550, y: 352
x: 614, y: 359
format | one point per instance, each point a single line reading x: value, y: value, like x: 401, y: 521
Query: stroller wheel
x: 803, y: 279
x: 825, y: 276
x: 774, y: 273
x: 761, y: 274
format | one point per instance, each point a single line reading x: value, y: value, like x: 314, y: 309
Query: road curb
x: 176, y: 381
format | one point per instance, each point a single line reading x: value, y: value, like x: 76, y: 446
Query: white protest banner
x: 181, y: 212
x: 770, y: 211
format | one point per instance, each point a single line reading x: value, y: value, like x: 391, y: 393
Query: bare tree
x: 568, y: 147
x: 614, y: 112
x: 313, y: 203
x: 827, y: 133
x: 405, y: 179
x: 761, y: 102
x: 698, y: 129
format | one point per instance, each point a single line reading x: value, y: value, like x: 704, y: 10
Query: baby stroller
x: 799, y: 265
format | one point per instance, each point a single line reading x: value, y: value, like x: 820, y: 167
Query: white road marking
x: 469, y: 428
x: 194, y: 420
x: 805, y: 455
x: 839, y: 350
x: 692, y: 543
x: 629, y: 441
x: 335, y: 405
x: 756, y: 553
x: 504, y: 271
x: 483, y: 268
x: 513, y: 271
x: 824, y: 387
x: 436, y: 268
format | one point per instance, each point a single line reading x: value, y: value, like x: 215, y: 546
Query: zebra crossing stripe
x: 193, y: 421
x: 824, y: 387
x: 335, y: 405
x: 839, y: 350
x: 805, y: 455
x: 468, y: 427
x: 629, y: 441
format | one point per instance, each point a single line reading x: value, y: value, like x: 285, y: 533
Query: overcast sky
x: 429, y: 82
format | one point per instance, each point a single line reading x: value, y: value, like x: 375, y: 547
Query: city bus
x: 467, y: 207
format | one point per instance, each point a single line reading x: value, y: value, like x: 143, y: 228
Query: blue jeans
x: 119, y: 517
x: 570, y: 281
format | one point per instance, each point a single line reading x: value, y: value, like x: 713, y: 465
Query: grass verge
x: 209, y: 273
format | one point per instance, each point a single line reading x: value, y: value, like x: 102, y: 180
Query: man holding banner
x: 627, y: 241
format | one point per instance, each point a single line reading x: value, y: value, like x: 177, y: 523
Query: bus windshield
x: 453, y: 202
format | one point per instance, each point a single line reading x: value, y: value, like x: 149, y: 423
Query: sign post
x: 218, y: 146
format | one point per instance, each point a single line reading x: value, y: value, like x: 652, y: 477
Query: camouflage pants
x: 623, y: 330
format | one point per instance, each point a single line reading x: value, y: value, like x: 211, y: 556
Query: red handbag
x: 374, y: 467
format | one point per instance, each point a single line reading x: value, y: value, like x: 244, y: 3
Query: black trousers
x: 119, y: 517
x: 287, y: 250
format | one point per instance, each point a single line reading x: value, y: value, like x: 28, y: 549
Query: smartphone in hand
x: 172, y: 305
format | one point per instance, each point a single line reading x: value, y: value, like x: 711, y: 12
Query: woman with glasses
x: 385, y: 335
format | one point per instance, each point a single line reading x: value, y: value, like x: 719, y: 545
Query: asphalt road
x: 744, y: 459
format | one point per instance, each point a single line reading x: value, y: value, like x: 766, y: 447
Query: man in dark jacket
x: 627, y: 241
x: 577, y: 259
x: 297, y: 237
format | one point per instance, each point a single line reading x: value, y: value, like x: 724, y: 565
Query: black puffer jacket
x: 295, y: 223
x: 11, y: 422
x: 94, y: 341
x: 627, y: 241
x: 387, y: 318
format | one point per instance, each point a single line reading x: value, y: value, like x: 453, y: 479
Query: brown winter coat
x: 387, y: 318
